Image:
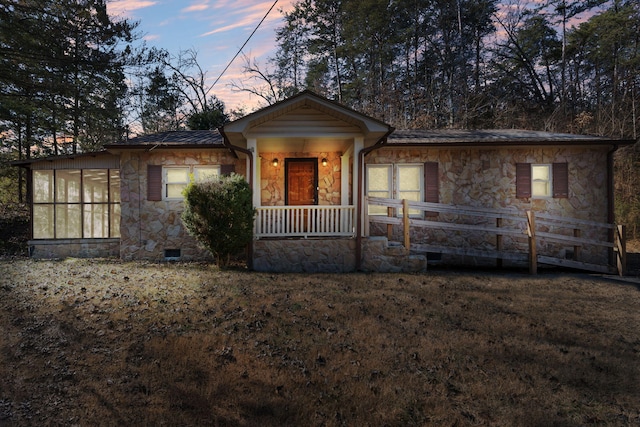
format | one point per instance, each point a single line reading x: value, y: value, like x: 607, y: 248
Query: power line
x: 242, y: 47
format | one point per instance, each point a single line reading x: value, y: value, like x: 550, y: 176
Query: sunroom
x: 75, y: 206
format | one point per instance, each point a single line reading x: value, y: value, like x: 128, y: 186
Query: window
x: 409, y: 185
x: 176, y: 179
x: 414, y: 182
x: 379, y: 185
x: 542, y: 180
x: 76, y: 203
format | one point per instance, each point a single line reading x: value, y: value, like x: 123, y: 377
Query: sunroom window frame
x: 54, y: 205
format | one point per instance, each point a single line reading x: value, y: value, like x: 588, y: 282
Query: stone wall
x: 486, y: 178
x: 380, y: 255
x: 76, y: 248
x: 148, y: 228
x: 305, y: 255
x: 272, y: 177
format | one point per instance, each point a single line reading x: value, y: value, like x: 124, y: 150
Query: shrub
x: 219, y: 214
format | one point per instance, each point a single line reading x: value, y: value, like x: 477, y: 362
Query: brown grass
x: 95, y: 342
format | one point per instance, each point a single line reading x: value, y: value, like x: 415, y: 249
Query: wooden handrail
x: 529, y: 224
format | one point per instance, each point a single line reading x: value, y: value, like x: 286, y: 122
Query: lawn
x: 104, y: 342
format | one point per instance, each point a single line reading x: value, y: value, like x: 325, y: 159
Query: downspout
x: 249, y: 154
x: 363, y: 152
x: 610, y: 202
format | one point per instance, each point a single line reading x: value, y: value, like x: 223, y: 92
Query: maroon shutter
x: 431, y: 186
x: 523, y: 180
x: 560, y: 178
x: 226, y: 170
x: 154, y: 182
x: 431, y: 193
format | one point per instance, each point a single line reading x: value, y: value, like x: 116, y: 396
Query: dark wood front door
x: 301, y: 184
x: 301, y: 181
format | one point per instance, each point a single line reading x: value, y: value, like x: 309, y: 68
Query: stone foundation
x: 381, y: 257
x: 77, y: 248
x: 305, y: 255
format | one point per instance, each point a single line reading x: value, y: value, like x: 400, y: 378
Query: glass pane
x: 205, y: 173
x: 409, y: 178
x: 115, y: 185
x: 115, y: 220
x: 375, y: 209
x: 177, y: 175
x: 175, y: 190
x: 68, y: 221
x: 68, y: 186
x: 540, y: 172
x: 96, y: 221
x: 43, y: 186
x: 95, y: 186
x: 414, y: 196
x: 43, y: 222
x: 540, y: 188
x: 378, y: 179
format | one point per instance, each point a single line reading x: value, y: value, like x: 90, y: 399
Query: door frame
x: 314, y: 161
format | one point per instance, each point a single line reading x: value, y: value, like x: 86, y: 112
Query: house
x: 317, y: 169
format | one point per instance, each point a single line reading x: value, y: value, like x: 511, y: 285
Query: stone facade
x: 272, y: 179
x: 379, y: 255
x: 486, y: 178
x: 149, y: 228
x: 305, y: 255
x: 77, y: 248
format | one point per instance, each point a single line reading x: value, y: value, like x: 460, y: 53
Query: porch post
x: 344, y: 177
x: 252, y: 145
x: 358, y: 145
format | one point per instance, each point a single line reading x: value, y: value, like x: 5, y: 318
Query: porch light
x: 324, y: 161
x: 275, y: 162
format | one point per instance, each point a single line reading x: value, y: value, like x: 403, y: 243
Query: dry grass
x: 95, y: 342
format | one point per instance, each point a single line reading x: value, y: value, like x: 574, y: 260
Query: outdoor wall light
x: 275, y: 162
x: 324, y: 161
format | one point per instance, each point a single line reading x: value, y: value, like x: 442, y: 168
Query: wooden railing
x: 500, y: 223
x: 304, y: 221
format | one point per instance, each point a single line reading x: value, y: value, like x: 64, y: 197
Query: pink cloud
x: 197, y: 7
x: 125, y: 7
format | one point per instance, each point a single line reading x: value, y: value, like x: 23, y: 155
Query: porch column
x: 252, y: 145
x: 358, y: 145
x: 344, y: 177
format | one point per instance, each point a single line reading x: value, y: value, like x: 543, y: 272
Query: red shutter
x: 154, y: 182
x: 431, y: 186
x: 431, y: 193
x: 226, y: 170
x: 560, y: 178
x: 523, y: 180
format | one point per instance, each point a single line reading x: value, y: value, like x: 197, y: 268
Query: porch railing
x: 305, y: 221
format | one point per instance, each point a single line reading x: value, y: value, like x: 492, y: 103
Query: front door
x: 301, y: 188
x: 301, y: 181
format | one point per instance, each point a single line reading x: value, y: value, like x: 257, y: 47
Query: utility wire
x: 242, y: 47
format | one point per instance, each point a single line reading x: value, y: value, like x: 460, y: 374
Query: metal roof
x: 183, y: 138
x: 480, y: 137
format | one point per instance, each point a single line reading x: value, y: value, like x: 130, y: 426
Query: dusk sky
x: 216, y: 29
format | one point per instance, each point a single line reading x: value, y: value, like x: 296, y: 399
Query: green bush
x: 219, y: 214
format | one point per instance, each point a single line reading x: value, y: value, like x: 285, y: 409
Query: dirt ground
x: 104, y: 342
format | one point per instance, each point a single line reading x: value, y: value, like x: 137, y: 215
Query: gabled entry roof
x: 306, y: 116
